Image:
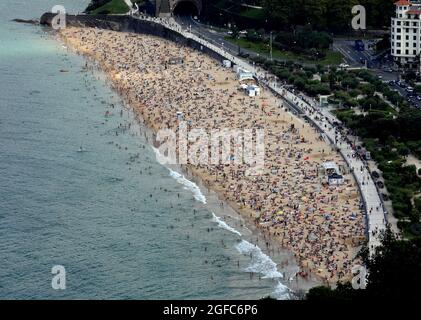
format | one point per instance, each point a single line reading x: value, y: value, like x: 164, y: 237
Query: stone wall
x: 129, y: 24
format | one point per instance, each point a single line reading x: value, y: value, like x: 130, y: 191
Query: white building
x: 330, y: 168
x: 250, y: 89
x: 406, y: 33
x: 253, y: 90
x: 243, y: 74
x: 226, y: 63
x: 323, y: 100
x: 335, y: 179
x: 333, y: 174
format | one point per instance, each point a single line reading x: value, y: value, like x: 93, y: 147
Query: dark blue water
x: 118, y: 222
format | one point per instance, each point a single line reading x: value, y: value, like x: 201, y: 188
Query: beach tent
x: 176, y: 60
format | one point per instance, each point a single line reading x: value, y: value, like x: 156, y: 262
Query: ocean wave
x: 260, y: 262
x: 282, y: 292
x: 188, y: 185
x: 222, y: 224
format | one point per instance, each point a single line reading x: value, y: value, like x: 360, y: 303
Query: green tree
x: 393, y: 273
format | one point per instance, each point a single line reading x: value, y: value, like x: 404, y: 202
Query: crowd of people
x: 290, y: 199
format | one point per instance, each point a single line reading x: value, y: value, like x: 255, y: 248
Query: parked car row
x: 390, y: 70
x: 401, y: 84
x: 376, y: 176
x: 410, y: 95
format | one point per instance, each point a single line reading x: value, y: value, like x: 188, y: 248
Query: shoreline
x: 227, y: 212
x: 117, y: 85
x: 223, y: 210
x: 258, y: 237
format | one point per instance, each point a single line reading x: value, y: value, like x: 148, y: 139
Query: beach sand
x: 290, y: 200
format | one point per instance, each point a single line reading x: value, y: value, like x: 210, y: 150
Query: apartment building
x: 406, y: 33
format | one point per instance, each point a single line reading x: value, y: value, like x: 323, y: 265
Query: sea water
x: 80, y: 187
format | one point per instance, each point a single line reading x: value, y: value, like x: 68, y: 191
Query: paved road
x: 352, y: 57
x: 213, y: 36
x: 375, y: 216
x: 414, y: 101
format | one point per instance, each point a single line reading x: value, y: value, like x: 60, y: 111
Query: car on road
x: 401, y: 84
x: 392, y: 83
x: 409, y: 89
x: 359, y: 45
x: 343, y: 66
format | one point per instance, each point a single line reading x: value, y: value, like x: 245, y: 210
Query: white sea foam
x: 222, y: 224
x: 188, y: 185
x: 282, y: 292
x: 260, y: 262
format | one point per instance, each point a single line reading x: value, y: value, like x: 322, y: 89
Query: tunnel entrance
x: 186, y: 8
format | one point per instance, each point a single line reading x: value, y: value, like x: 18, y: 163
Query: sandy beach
x: 290, y: 200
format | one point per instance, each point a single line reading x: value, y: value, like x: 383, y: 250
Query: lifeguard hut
x: 243, y: 74
x: 332, y: 173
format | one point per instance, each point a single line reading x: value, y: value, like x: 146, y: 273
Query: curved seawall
x: 125, y: 23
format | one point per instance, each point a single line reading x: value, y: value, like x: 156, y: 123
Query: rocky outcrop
x: 26, y: 21
x: 128, y: 24
x: 116, y: 23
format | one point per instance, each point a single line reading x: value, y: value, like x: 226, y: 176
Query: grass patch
x: 332, y: 57
x: 112, y: 7
x: 254, y: 13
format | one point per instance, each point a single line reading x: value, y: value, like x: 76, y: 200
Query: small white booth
x: 330, y: 168
x: 179, y: 116
x: 335, y: 179
x: 253, y: 90
x: 226, y: 63
x: 243, y: 74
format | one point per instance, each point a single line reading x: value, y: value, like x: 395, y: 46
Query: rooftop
x: 402, y: 3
